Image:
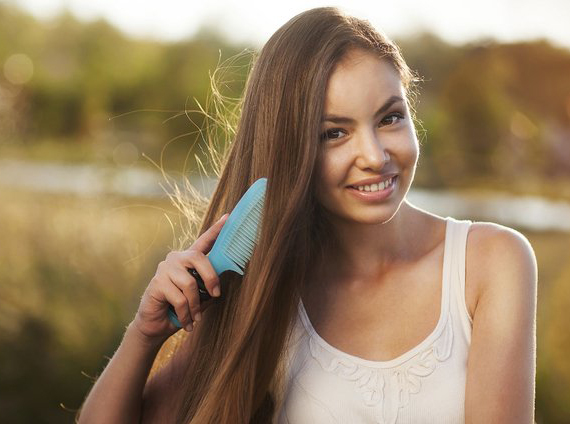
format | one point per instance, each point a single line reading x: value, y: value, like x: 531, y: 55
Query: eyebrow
x: 383, y: 108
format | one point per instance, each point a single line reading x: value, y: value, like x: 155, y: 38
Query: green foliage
x: 493, y: 112
x: 93, y: 85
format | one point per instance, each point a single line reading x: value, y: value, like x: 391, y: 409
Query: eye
x: 332, y: 133
x: 392, y: 119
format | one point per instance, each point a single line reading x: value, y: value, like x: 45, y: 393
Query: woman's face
x: 369, y: 150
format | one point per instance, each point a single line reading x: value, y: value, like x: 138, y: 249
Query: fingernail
x: 217, y: 291
x: 189, y: 327
x: 198, y: 317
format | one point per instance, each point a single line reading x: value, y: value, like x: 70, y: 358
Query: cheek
x: 331, y: 170
x: 328, y: 177
x: 410, y: 148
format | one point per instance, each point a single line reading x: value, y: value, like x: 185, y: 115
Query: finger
x: 196, y: 260
x: 175, y: 297
x: 187, y: 284
x: 205, y: 242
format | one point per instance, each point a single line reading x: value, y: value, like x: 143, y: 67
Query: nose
x: 371, y: 153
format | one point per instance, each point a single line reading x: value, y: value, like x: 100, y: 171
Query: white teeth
x: 376, y: 187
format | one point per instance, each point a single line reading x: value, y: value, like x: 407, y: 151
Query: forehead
x: 361, y: 78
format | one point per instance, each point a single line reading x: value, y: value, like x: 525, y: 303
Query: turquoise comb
x: 233, y: 248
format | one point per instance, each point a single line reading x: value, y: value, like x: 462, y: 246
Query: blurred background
x: 97, y: 119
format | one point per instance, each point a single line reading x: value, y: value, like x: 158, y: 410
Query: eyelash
x: 326, y: 135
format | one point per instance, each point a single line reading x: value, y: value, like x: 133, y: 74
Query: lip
x: 373, y: 180
x: 369, y: 196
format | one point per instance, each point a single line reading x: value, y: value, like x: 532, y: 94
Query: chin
x: 363, y: 219
x: 379, y: 220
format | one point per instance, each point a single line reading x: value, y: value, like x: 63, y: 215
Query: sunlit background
x: 98, y: 117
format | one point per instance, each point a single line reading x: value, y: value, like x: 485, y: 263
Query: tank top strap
x: 458, y: 246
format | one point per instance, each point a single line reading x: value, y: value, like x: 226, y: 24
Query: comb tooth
x: 256, y: 222
x: 237, y: 246
x: 245, y: 247
x: 247, y: 233
x: 239, y: 255
x: 239, y: 258
x: 249, y: 225
x: 255, y: 210
x: 257, y: 206
x: 249, y: 228
x: 244, y: 232
x: 240, y: 249
x: 251, y: 222
x: 241, y: 242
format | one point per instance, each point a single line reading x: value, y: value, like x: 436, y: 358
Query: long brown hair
x: 231, y: 374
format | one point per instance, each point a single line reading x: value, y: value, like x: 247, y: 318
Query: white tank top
x: 324, y: 385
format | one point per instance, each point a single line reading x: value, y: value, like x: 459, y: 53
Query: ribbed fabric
x: 424, y: 385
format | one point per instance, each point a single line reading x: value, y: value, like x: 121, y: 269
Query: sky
x: 253, y: 21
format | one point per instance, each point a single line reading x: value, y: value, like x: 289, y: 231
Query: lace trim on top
x: 387, y: 385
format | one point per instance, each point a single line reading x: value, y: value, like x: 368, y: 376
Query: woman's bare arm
x: 502, y: 357
x: 116, y: 397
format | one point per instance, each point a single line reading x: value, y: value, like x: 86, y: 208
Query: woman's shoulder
x: 497, y: 244
x: 499, y: 260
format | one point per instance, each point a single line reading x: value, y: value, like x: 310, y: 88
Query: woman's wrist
x: 150, y: 342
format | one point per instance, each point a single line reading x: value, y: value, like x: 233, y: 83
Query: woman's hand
x: 174, y: 285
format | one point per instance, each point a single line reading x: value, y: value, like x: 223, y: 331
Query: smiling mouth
x: 377, y: 187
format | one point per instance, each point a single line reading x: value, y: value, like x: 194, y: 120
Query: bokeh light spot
x: 18, y: 69
x: 125, y: 154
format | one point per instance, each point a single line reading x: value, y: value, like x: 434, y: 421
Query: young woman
x: 356, y: 307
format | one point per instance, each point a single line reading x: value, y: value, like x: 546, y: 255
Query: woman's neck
x: 365, y: 252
